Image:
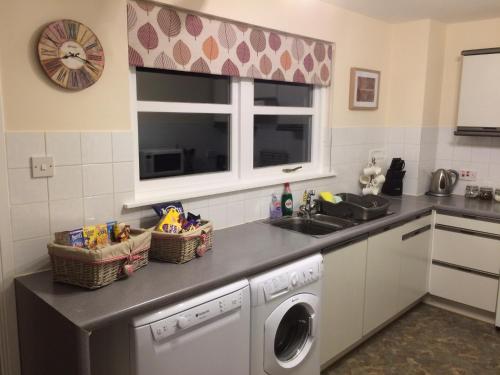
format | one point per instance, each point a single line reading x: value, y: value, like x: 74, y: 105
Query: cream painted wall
x: 462, y: 36
x: 34, y: 103
x: 31, y: 101
x: 409, y: 52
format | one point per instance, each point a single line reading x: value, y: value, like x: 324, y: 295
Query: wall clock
x: 71, y: 54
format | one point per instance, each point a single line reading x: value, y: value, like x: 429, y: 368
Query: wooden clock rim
x: 45, y: 70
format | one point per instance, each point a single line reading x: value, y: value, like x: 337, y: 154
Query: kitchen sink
x: 317, y: 225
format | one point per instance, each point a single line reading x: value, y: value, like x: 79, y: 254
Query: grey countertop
x: 238, y: 252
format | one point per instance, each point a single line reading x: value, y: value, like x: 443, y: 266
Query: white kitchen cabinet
x: 382, y: 278
x: 415, y: 262
x: 342, y: 299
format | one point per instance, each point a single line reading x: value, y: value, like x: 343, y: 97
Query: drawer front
x: 464, y: 287
x: 416, y: 224
x: 467, y: 250
x: 473, y: 224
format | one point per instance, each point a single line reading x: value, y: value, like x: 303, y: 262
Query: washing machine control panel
x: 287, y: 281
x: 197, y: 315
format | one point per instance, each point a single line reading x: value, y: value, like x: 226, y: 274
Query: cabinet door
x: 382, y: 278
x: 415, y: 263
x: 342, y: 299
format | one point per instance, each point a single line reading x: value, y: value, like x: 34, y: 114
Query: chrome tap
x: 307, y: 208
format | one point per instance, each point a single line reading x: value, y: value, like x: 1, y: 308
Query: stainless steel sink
x: 317, y: 225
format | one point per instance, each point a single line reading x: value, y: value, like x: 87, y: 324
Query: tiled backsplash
x: 480, y: 154
x: 94, y: 177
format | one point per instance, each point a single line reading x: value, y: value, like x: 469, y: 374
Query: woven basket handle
x: 202, y: 246
x: 128, y: 267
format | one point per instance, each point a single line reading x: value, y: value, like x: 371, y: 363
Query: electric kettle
x: 442, y: 182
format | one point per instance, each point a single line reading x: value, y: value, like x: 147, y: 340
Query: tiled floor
x: 427, y: 340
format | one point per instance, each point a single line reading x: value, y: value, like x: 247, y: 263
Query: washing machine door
x: 290, y: 333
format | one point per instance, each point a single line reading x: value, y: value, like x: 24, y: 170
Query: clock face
x: 70, y: 54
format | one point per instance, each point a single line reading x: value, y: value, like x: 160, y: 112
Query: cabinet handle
x: 469, y: 232
x: 466, y: 269
x: 416, y: 232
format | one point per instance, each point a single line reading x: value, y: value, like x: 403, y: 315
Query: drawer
x: 416, y: 224
x: 473, y: 224
x: 464, y: 287
x: 472, y: 251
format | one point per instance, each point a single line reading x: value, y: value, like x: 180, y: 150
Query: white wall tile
x: 66, y: 214
x: 412, y: 135
x: 67, y: 183
x: 462, y: 152
x: 30, y: 221
x: 64, y: 147
x: 218, y: 215
x: 395, y: 135
x: 235, y: 213
x: 21, y: 146
x: 26, y: 189
x: 123, y: 176
x: 98, y: 209
x: 96, y: 147
x: 252, y: 209
x: 31, y: 255
x: 123, y: 149
x: 97, y: 179
x: 122, y: 214
x: 411, y: 152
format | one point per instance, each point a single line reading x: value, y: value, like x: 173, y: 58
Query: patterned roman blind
x: 160, y: 36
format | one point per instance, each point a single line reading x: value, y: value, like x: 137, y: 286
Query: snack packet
x: 162, y: 209
x: 95, y: 236
x: 170, y: 223
x: 121, y: 232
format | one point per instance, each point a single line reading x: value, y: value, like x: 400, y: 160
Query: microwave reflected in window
x: 281, y: 139
x: 178, y: 144
x: 285, y: 94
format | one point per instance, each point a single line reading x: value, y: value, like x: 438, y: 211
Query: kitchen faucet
x: 307, y: 208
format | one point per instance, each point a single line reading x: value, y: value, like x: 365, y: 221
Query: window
x: 197, y: 131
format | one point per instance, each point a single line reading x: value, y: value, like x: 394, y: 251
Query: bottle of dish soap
x: 287, y: 201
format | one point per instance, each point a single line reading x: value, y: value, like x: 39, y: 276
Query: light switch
x: 42, y: 166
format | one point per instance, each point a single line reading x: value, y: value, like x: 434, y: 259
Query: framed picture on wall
x: 363, y: 93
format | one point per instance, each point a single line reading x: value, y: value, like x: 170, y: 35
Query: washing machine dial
x: 294, y: 279
x: 182, y: 322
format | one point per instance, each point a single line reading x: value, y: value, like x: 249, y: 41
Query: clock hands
x: 77, y: 55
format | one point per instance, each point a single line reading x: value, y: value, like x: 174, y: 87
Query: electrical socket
x: 467, y: 175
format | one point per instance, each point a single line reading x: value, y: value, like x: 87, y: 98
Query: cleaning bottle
x: 287, y: 201
x: 275, y: 207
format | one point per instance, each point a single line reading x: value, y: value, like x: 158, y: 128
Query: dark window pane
x: 281, y: 139
x: 282, y: 94
x: 169, y: 86
x: 176, y: 144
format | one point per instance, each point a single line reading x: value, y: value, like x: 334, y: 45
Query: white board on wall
x: 479, y: 104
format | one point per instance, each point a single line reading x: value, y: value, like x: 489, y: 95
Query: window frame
x: 241, y: 175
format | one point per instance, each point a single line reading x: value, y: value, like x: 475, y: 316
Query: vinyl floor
x: 427, y: 340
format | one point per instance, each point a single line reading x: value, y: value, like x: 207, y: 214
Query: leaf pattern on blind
x: 228, y: 68
x: 274, y: 41
x: 147, y: 36
x: 265, y: 65
x: 253, y: 72
x: 227, y: 35
x: 258, y: 40
x: 200, y: 66
x: 278, y: 75
x: 194, y: 25
x: 297, y: 49
x: 308, y: 63
x: 286, y: 60
x: 163, y: 37
x: 319, y: 51
x: 169, y: 22
x: 210, y: 48
x: 182, y: 54
x: 243, y: 52
x: 134, y: 57
x: 131, y: 17
x: 163, y: 61
x: 298, y: 76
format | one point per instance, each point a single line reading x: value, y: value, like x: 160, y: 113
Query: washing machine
x: 285, y: 306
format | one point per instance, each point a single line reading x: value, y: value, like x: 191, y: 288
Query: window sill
x: 148, y: 198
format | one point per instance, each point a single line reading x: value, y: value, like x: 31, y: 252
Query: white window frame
x: 241, y: 175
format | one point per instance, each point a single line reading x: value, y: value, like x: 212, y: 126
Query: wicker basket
x: 181, y: 248
x: 96, y: 268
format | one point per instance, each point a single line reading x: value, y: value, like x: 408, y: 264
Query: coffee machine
x: 393, y: 184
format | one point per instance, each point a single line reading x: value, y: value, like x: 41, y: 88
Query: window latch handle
x: 290, y: 170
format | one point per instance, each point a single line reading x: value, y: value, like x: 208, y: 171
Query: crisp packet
x: 170, y: 223
x: 162, y: 209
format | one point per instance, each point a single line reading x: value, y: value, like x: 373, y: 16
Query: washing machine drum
x: 290, y: 333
